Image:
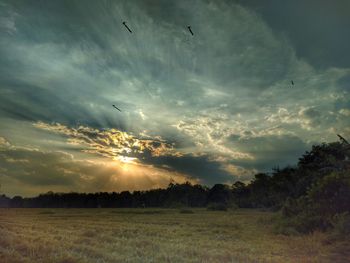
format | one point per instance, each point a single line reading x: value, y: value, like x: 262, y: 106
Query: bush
x: 303, y: 223
x: 283, y: 227
x: 307, y: 223
x: 341, y: 225
x: 293, y: 207
x: 232, y: 206
x: 217, y: 207
x: 331, y: 194
x: 326, y: 205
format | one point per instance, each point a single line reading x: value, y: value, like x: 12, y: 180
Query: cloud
x: 110, y: 143
x: 321, y: 42
x: 206, y: 170
x: 4, y: 143
x: 308, y: 118
x: 345, y: 112
x: 7, y: 20
x: 203, y: 99
x: 31, y: 171
x: 209, y: 132
x: 269, y: 150
x: 154, y: 152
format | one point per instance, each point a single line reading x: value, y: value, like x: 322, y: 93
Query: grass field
x: 155, y: 235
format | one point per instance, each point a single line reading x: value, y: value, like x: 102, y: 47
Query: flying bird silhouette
x: 343, y: 139
x: 124, y: 23
x: 189, y: 28
x: 116, y: 108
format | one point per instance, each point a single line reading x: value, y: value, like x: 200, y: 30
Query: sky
x: 214, y: 107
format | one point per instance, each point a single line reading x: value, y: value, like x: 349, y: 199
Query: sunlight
x: 125, y: 159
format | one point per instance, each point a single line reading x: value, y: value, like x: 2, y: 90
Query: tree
x: 220, y: 193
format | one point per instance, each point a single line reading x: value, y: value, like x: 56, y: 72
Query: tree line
x: 313, y: 192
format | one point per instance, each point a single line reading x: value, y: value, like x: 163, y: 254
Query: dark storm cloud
x: 34, y: 167
x: 319, y: 29
x: 269, y: 151
x: 43, y: 77
x: 23, y: 166
x: 208, y: 171
x: 344, y: 82
x: 26, y: 102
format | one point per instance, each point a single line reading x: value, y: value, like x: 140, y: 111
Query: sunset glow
x: 244, y: 92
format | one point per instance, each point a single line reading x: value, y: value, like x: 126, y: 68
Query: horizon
x: 90, y: 105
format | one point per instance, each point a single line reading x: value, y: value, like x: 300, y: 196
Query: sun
x: 126, y: 159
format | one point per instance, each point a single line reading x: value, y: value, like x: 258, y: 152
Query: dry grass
x: 154, y: 235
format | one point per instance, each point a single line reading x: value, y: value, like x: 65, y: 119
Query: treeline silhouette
x: 264, y: 191
x: 312, y: 193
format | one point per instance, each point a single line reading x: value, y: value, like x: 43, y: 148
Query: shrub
x: 307, y: 223
x: 283, y: 227
x: 293, y: 207
x: 326, y: 205
x: 341, y: 225
x: 331, y: 194
x: 302, y: 223
x: 232, y: 206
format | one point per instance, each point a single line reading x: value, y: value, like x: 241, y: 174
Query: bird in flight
x: 116, y: 108
x: 189, y: 28
x: 343, y: 139
x: 124, y: 23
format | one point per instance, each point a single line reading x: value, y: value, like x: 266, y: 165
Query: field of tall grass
x: 156, y: 235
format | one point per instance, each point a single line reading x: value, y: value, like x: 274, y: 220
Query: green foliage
x: 5, y: 201
x: 331, y: 194
x: 341, y: 225
x: 293, y: 207
x: 307, y: 222
x: 232, y: 205
x: 284, y: 227
x: 324, y: 158
x: 321, y: 207
x: 320, y: 199
x: 220, y: 193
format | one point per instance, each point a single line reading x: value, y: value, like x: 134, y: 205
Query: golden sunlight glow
x: 132, y: 175
x: 125, y: 159
x: 110, y: 142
